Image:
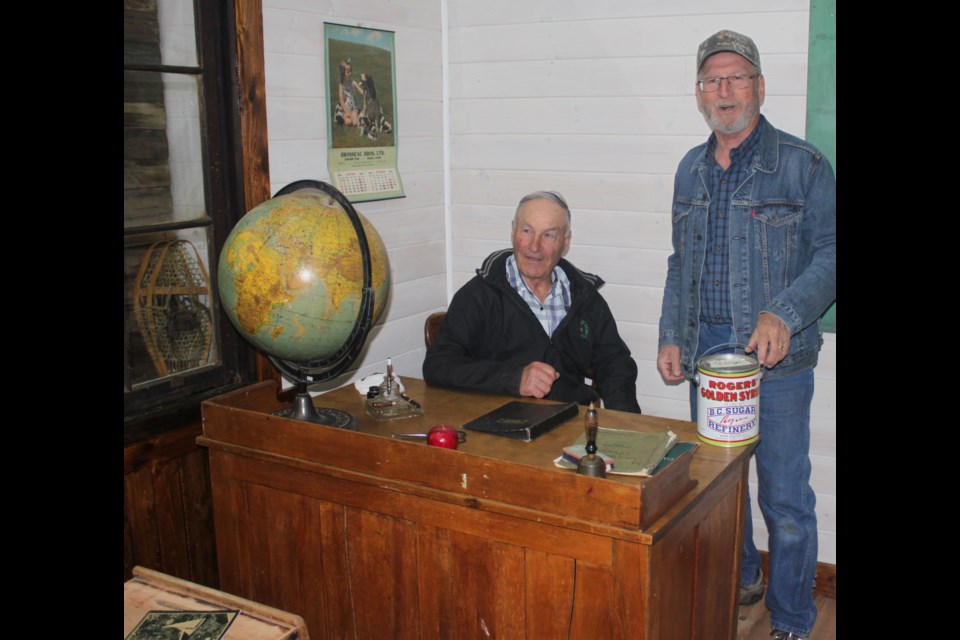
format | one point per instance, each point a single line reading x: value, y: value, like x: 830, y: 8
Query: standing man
x: 531, y: 324
x: 754, y: 263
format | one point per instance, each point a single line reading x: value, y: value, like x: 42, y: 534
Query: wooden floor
x: 755, y: 621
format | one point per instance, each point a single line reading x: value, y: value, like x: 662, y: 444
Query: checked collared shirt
x: 552, y: 310
x: 715, y: 284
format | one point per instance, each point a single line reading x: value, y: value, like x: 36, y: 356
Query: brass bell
x: 592, y: 464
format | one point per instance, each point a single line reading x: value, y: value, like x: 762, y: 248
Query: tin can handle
x: 736, y: 348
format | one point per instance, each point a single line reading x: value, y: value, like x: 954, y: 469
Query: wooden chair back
x: 432, y: 327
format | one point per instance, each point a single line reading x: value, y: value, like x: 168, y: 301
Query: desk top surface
x: 485, y: 467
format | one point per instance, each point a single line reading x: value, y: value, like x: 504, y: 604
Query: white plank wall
x: 412, y: 227
x: 596, y: 100
x: 592, y: 99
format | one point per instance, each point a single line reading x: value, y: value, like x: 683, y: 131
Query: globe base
x: 304, y: 409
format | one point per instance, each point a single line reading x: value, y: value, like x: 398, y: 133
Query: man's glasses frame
x: 735, y: 81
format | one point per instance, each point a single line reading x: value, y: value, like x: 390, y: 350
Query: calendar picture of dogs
x: 377, y: 65
x: 372, y: 120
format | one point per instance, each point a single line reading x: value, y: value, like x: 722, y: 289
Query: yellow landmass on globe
x: 291, y: 276
x: 287, y: 251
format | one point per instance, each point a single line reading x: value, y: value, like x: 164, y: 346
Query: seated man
x: 532, y: 324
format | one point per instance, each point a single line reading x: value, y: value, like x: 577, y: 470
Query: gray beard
x: 738, y: 125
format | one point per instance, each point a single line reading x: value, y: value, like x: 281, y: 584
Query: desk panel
x: 368, y: 537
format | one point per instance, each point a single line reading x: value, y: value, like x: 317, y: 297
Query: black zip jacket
x: 490, y: 335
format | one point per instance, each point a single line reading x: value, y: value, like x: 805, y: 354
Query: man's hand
x: 668, y: 363
x: 771, y: 340
x: 537, y: 379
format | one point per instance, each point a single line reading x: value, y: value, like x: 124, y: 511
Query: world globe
x: 291, y: 279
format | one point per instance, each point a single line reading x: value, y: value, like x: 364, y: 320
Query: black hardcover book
x: 523, y: 420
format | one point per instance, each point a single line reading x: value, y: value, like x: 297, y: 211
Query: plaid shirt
x: 552, y: 310
x: 715, y: 283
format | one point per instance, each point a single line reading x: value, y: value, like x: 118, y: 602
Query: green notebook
x: 633, y: 453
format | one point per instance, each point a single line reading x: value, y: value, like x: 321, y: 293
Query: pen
x: 412, y: 402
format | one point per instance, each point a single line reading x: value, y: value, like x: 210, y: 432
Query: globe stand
x: 304, y: 409
x: 307, y: 373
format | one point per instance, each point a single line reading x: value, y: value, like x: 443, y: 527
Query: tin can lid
x: 728, y: 363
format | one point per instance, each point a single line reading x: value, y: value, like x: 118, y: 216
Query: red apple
x: 442, y: 435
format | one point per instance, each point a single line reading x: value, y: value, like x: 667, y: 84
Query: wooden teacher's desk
x: 366, y: 536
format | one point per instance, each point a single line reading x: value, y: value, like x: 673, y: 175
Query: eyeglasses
x: 738, y: 81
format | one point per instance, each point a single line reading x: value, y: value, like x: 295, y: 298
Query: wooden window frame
x: 175, y: 400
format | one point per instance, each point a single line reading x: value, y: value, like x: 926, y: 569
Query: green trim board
x: 822, y: 97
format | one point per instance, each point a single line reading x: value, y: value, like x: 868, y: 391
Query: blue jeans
x: 786, y: 500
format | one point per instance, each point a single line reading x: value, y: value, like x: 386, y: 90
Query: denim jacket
x: 783, y: 248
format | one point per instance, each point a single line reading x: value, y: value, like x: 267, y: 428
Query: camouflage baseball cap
x: 728, y: 41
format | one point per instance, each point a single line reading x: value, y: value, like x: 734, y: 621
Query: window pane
x: 159, y: 32
x: 162, y: 149
x: 169, y: 315
x: 178, y: 40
